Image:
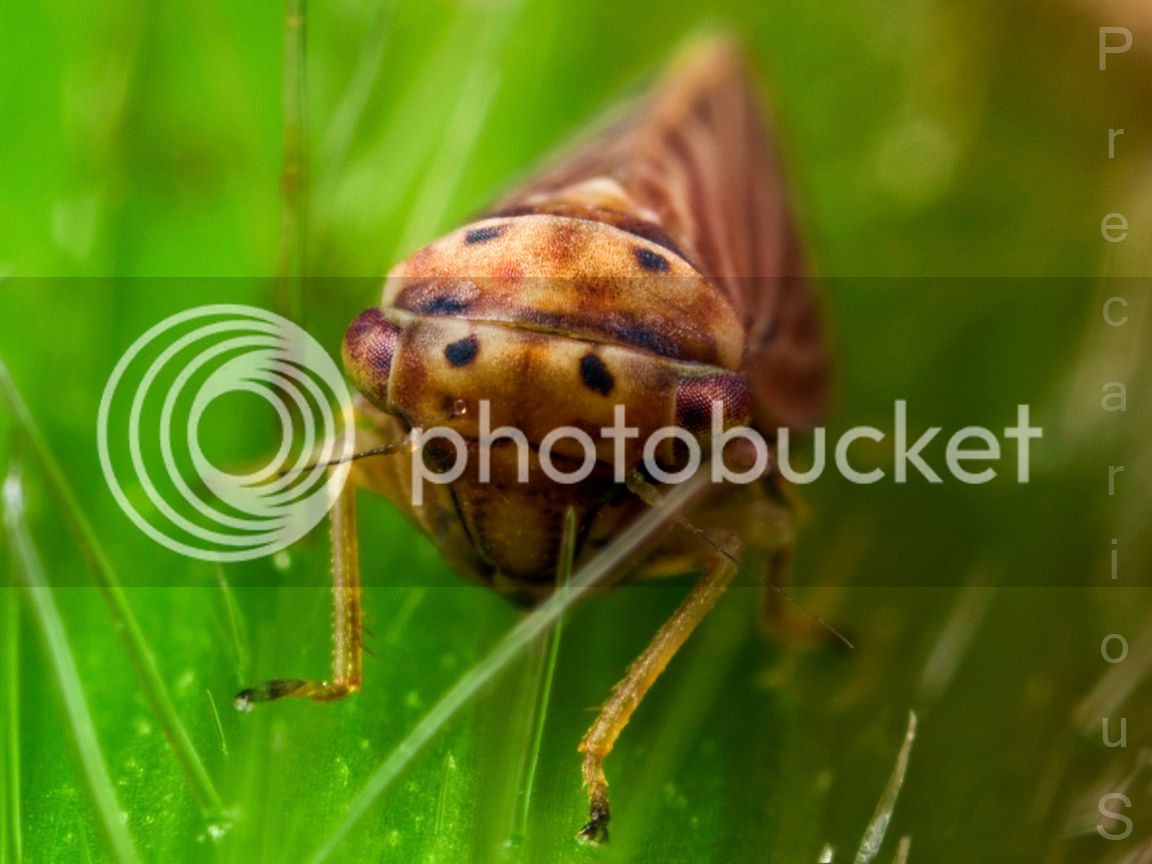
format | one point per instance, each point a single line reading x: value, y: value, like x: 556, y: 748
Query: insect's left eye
x: 369, y: 347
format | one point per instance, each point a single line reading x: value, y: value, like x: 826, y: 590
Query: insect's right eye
x: 698, y: 397
x: 369, y: 347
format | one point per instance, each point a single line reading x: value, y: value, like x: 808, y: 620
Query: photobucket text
x: 971, y: 453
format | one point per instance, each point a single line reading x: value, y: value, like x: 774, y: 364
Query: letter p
x: 1106, y: 47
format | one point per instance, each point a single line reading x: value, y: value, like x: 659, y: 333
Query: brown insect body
x: 540, y: 366
x: 645, y: 270
x: 654, y: 266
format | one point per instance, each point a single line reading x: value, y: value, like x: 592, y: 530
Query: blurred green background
x: 949, y: 163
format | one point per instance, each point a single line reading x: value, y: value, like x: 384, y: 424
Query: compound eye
x: 369, y: 347
x: 698, y: 397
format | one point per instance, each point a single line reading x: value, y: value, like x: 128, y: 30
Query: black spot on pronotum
x: 483, y: 235
x: 646, y: 338
x: 649, y: 260
x: 463, y: 351
x: 443, y: 305
x: 595, y: 374
x: 649, y: 231
x: 438, y: 297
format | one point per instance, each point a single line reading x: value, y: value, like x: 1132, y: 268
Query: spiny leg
x: 770, y: 527
x: 722, y: 552
x: 346, y: 615
x: 776, y: 546
x: 778, y: 614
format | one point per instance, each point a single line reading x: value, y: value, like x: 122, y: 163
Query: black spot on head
x: 462, y: 352
x: 595, y: 374
x: 649, y: 260
x: 483, y: 235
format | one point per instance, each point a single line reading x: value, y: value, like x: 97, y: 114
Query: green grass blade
x: 438, y: 189
x: 339, y: 138
x: 31, y: 573
x: 411, y: 131
x: 874, y: 835
x: 140, y: 654
x: 237, y: 631
x: 294, y: 175
x: 11, y: 828
x: 546, y: 674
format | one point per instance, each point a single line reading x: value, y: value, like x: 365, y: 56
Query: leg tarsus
x: 284, y: 688
x: 346, y: 622
x: 595, y: 830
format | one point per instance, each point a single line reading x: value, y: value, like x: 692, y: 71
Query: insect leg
x: 775, y: 614
x: 772, y: 533
x: 770, y: 527
x: 346, y: 617
x: 722, y: 553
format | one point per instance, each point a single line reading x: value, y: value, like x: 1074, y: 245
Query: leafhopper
x: 653, y: 268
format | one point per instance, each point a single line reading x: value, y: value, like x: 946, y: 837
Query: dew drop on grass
x: 216, y: 830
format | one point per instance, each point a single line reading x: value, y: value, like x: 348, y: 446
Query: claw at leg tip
x: 595, y: 831
x: 592, y: 834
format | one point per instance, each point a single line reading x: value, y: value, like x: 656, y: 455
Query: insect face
x: 558, y: 322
